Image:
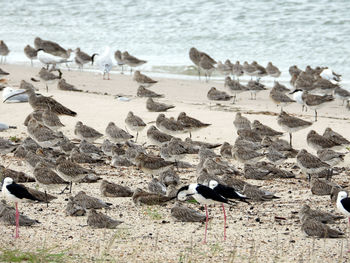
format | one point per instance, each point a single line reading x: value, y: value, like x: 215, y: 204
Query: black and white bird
x: 203, y: 195
x: 228, y: 193
x: 16, y: 193
x: 343, y: 204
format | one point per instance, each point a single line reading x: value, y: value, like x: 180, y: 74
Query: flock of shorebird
x: 57, y: 161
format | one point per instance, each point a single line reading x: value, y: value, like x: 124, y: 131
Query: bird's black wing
x: 226, y: 191
x: 346, y: 204
x: 209, y: 193
x: 20, y: 192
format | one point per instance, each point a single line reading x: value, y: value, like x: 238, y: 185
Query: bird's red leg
x: 17, y: 222
x: 223, y: 209
x: 206, y: 225
x: 349, y: 226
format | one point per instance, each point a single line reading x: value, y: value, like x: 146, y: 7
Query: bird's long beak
x: 13, y: 96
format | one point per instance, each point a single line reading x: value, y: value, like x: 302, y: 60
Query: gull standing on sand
x: 16, y: 193
x: 116, y: 134
x: 82, y: 58
x: 4, y: 51
x: 31, y: 53
x: 134, y: 123
x: 84, y: 132
x: 291, y: 124
x: 143, y: 80
x: 105, y: 62
x: 132, y: 61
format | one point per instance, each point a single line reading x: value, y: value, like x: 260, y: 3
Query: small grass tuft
x: 40, y: 255
x: 153, y: 213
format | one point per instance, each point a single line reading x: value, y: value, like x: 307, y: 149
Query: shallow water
x: 162, y: 32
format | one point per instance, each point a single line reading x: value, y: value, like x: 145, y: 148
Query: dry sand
x: 150, y: 234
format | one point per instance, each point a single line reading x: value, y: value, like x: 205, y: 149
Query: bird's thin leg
x: 47, y: 88
x: 47, y: 202
x: 190, y: 135
x: 66, y: 187
x: 137, y: 135
x: 223, y: 209
x: 349, y: 226
x: 315, y: 115
x: 70, y: 189
x: 199, y: 74
x: 108, y: 76
x: 206, y: 224
x: 17, y: 221
x: 290, y: 139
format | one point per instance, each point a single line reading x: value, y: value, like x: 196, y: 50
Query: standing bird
x: 105, y: 62
x: 196, y: 55
x: 132, y: 61
x: 31, y: 53
x: 82, y: 58
x: 16, y: 193
x: 207, y: 66
x: 291, y: 124
x: 120, y: 61
x: 49, y: 59
x: 135, y: 123
x: 315, y: 102
x: 203, y: 195
x: 69, y: 171
x: 190, y: 124
x: 48, y: 77
x: 4, y: 51
x: 228, y: 193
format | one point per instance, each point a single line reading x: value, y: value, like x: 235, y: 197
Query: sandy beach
x: 149, y: 233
